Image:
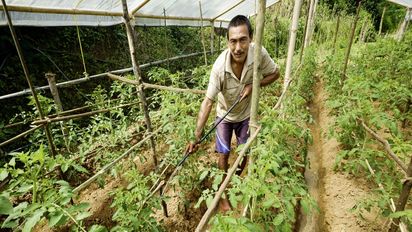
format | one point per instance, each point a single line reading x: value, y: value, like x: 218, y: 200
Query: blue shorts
x: 224, y: 132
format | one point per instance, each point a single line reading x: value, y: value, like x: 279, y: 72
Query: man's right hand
x: 191, y: 147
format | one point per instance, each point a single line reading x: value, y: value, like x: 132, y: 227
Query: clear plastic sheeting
x: 109, y: 12
x: 405, y: 3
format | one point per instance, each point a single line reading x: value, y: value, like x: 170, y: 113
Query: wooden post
x: 292, y: 42
x: 136, y: 70
x: 311, y: 22
x: 402, y: 27
x: 352, y: 35
x: 381, y: 22
x: 212, y: 38
x: 220, y: 29
x: 305, y: 31
x: 336, y: 34
x: 26, y: 74
x: 201, y: 32
x: 51, y: 79
x: 403, y: 198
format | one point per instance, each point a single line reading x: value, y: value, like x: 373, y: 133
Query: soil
x: 336, y: 193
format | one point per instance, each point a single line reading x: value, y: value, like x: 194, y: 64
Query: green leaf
x: 278, y: 219
x: 3, y: 174
x: 55, y: 218
x: 98, y: 228
x: 83, y: 215
x: 398, y: 214
x: 6, y: 207
x: 32, y: 221
x: 203, y: 175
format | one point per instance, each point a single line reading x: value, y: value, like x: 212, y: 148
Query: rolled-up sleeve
x: 214, y: 86
x: 268, y: 66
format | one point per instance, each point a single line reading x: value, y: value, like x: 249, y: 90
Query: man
x: 231, y: 78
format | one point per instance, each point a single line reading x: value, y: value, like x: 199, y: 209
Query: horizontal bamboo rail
x: 387, y: 147
x: 153, y: 86
x: 84, y: 79
x: 223, y: 186
x: 20, y: 135
x: 68, y: 117
x: 110, y: 165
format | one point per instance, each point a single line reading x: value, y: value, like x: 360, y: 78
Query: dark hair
x: 240, y: 20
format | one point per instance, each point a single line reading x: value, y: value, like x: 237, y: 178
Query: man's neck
x: 237, y: 68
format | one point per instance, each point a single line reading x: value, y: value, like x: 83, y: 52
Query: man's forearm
x: 269, y: 79
x: 204, y: 112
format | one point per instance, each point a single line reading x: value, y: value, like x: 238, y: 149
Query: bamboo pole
x: 153, y: 86
x: 381, y: 22
x: 68, y: 117
x: 200, y: 227
x: 20, y: 135
x: 227, y: 10
x: 212, y: 38
x: 387, y: 147
x: 166, y: 39
x: 51, y: 79
x: 292, y: 41
x: 131, y: 40
x: 220, y: 29
x: 26, y: 74
x: 352, y: 35
x: 402, y: 26
x: 336, y: 34
x: 305, y: 31
x: 403, y: 197
x: 84, y: 79
x: 111, y: 164
x: 201, y: 31
x: 260, y: 22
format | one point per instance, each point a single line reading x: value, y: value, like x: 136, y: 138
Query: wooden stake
x: 200, y: 227
x: 336, y: 34
x: 26, y: 74
x: 352, y: 35
x: 292, y: 41
x: 136, y: 70
x: 219, y: 36
x: 201, y: 32
x: 166, y: 39
x: 305, y: 31
x: 51, y: 78
x: 110, y: 165
x: 403, y: 197
x: 212, y: 38
x: 387, y: 147
x: 381, y: 22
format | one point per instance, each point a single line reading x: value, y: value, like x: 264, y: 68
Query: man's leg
x: 242, y: 135
x: 224, y: 133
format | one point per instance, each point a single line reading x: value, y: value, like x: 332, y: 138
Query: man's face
x: 239, y: 41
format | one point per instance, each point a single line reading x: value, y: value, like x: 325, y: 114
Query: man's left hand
x: 246, y: 91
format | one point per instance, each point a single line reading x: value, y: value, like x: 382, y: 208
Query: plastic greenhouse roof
x: 405, y: 3
x: 109, y: 12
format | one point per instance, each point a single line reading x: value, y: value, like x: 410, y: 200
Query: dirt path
x: 336, y: 193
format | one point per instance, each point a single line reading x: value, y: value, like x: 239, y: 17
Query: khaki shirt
x: 224, y: 84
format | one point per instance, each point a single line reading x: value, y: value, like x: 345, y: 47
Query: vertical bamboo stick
x: 212, y: 38
x: 292, y: 42
x: 381, y: 22
x: 26, y: 74
x: 51, y: 79
x: 201, y: 32
x: 336, y: 34
x: 136, y: 70
x: 352, y: 35
x: 220, y: 29
x: 305, y: 31
x: 403, y: 197
x: 402, y: 27
x: 166, y: 39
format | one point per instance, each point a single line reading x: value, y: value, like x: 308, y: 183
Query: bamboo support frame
x: 200, y: 227
x: 336, y: 34
x: 20, y: 135
x: 387, y: 147
x: 227, y: 10
x: 73, y: 116
x: 305, y: 31
x: 212, y: 38
x: 110, y: 165
x: 201, y: 32
x: 136, y: 71
x: 26, y: 74
x: 153, y: 86
x: 84, y: 79
x: 352, y: 35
